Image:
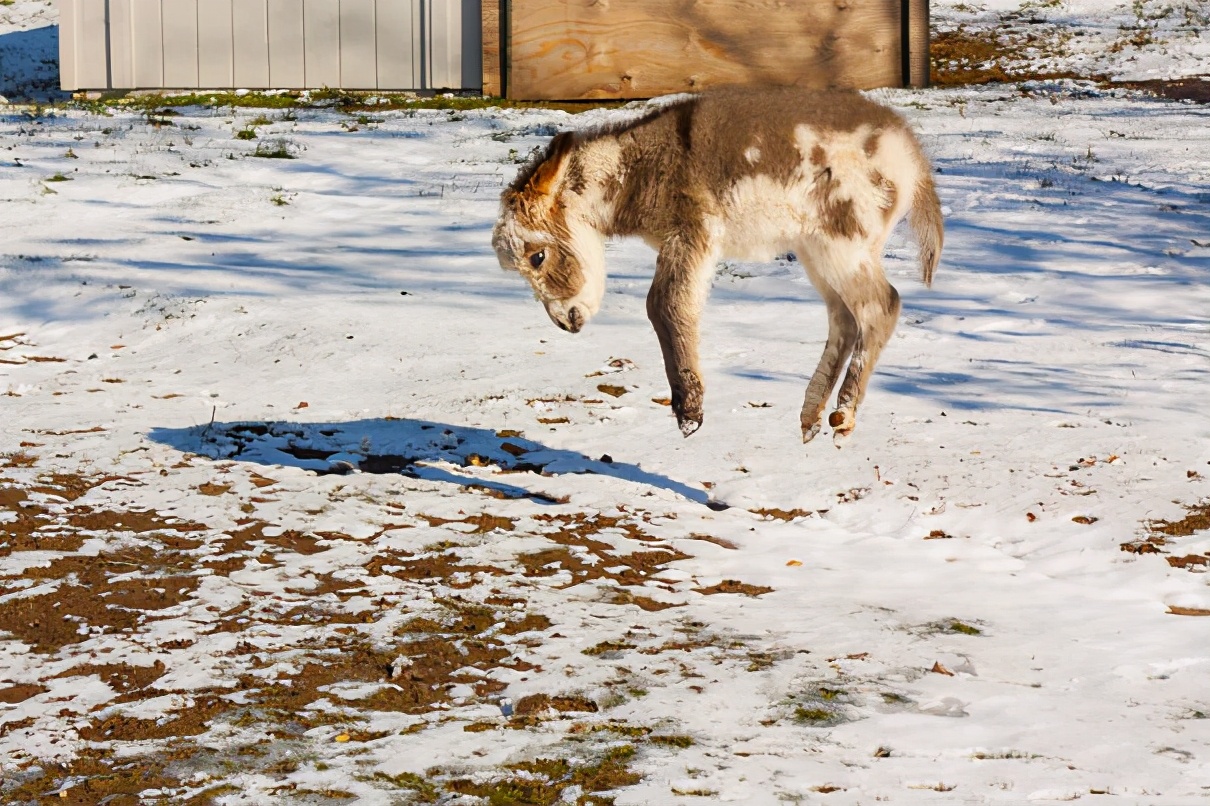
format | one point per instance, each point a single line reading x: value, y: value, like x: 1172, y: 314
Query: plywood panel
x: 180, y: 43
x: 445, y: 44
x: 121, y: 44
x: 491, y: 49
x: 215, y: 44
x: 398, y: 44
x: 286, y: 68
x: 147, y: 44
x: 358, y: 49
x: 250, y: 34
x: 641, y: 48
x: 321, y: 37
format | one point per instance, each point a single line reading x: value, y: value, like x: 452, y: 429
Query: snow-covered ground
x: 506, y: 518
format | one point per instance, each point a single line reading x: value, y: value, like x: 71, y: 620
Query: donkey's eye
x: 536, y: 258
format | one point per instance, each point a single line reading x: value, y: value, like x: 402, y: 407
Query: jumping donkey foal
x: 739, y: 173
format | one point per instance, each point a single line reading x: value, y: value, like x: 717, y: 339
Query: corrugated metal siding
x: 259, y: 44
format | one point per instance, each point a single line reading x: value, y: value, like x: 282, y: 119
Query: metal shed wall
x: 262, y: 44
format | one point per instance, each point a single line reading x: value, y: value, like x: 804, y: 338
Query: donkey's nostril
x: 576, y: 319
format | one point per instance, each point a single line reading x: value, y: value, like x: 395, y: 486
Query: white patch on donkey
x: 739, y: 173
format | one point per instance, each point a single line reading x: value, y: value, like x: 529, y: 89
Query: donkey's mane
x: 610, y: 129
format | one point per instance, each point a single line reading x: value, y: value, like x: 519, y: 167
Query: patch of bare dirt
x: 1162, y: 537
x: 734, y: 586
x: 20, y: 692
x: 580, y: 532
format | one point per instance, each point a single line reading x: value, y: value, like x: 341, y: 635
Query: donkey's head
x: 543, y: 233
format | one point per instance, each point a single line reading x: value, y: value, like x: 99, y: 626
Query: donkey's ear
x: 551, y: 170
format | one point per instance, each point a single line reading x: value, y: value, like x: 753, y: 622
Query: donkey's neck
x: 593, y: 182
x: 628, y: 181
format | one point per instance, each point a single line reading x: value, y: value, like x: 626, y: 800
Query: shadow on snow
x: 437, y: 452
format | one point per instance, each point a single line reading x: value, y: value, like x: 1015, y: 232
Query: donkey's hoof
x: 809, y: 432
x: 842, y: 422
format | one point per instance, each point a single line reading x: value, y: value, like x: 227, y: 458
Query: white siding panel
x: 357, y: 44
x: 68, y: 28
x: 121, y: 44
x: 147, y: 44
x: 180, y: 43
x: 445, y: 48
x: 321, y: 24
x: 358, y: 48
x: 286, y: 65
x: 91, y: 45
x: 215, y: 44
x: 250, y: 34
x: 398, y: 40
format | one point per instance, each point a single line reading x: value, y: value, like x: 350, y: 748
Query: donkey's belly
x: 762, y: 218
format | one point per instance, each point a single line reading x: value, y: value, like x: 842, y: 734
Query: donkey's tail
x: 925, y: 218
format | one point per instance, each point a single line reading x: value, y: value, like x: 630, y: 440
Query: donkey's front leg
x: 674, y: 306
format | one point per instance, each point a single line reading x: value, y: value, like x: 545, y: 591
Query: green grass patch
x: 275, y: 150
x: 541, y: 782
x: 354, y: 102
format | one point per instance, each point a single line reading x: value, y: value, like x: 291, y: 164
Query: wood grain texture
x: 491, y: 48
x: 583, y: 49
x: 918, y: 42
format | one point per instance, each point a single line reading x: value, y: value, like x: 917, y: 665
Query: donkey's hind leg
x: 842, y: 336
x: 875, y: 305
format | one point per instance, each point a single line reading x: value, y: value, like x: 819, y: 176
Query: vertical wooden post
x: 916, y: 43
x: 492, y: 48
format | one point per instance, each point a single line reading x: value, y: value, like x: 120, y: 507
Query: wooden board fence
x: 589, y: 49
x: 262, y: 44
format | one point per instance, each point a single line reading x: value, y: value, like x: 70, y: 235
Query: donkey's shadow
x: 439, y: 452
